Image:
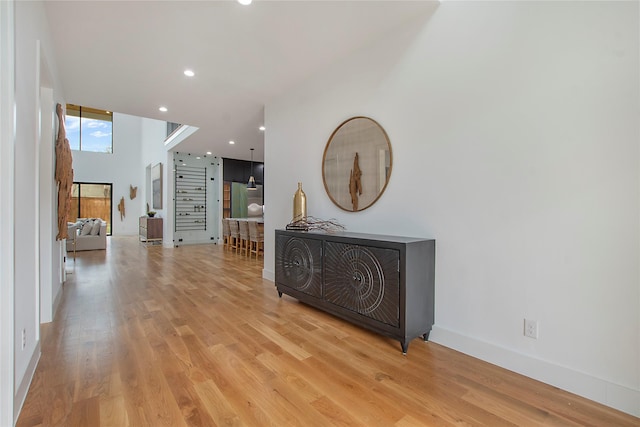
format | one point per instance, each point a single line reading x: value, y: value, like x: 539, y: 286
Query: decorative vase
x: 299, y: 205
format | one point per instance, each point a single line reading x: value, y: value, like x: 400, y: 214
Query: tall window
x: 89, y: 129
x: 90, y: 200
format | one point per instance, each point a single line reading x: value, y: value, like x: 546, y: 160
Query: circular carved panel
x: 363, y: 280
x: 301, y: 264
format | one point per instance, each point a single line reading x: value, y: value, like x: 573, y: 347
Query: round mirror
x: 356, y: 165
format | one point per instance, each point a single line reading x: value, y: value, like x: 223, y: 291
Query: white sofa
x: 87, y: 240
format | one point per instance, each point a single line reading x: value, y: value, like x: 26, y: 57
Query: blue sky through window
x: 72, y: 126
x: 96, y: 134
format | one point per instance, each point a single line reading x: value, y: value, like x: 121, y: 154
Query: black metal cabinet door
x: 364, y: 280
x: 299, y: 264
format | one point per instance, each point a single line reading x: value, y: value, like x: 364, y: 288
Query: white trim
x: 7, y: 156
x: 57, y: 299
x: 36, y: 194
x: 23, y: 388
x: 179, y: 135
x: 168, y: 194
x: 268, y: 275
x: 606, y: 392
x: 45, y: 166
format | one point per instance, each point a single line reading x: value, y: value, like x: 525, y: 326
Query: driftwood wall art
x: 121, y: 208
x: 133, y: 192
x: 355, y: 182
x: 63, y: 175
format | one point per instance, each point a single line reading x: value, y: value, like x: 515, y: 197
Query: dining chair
x: 256, y: 238
x: 226, y: 234
x: 234, y: 234
x: 244, y: 237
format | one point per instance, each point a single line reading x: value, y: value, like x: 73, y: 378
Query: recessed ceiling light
x: 244, y: 2
x: 198, y: 157
x: 163, y: 109
x: 262, y: 128
x: 208, y: 153
x: 232, y: 142
x: 189, y: 73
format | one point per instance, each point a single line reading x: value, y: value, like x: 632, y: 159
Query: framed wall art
x: 156, y: 185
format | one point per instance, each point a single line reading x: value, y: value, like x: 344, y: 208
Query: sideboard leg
x: 425, y: 336
x: 279, y: 294
x: 405, y: 347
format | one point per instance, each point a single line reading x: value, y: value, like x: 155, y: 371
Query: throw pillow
x: 95, y: 229
x: 86, y: 228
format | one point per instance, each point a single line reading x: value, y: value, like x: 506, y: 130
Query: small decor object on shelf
x: 151, y: 214
x: 299, y: 205
x: 133, y: 192
x: 121, y: 208
x: 298, y: 226
x: 315, y: 224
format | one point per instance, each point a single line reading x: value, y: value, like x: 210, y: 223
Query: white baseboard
x: 268, y: 274
x: 21, y: 393
x: 602, y: 391
x: 56, y: 302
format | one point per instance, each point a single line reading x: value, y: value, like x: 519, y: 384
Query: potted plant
x: 151, y: 214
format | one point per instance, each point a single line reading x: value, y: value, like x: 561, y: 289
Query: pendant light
x: 251, y: 185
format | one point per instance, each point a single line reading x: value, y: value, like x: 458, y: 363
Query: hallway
x: 193, y: 336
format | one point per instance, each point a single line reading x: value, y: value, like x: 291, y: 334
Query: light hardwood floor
x: 193, y: 336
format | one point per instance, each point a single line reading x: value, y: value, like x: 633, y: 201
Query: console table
x: 382, y: 283
x: 150, y: 229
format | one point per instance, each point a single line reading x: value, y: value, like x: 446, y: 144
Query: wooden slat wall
x: 91, y: 207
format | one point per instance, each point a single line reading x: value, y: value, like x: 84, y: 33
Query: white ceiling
x: 129, y: 57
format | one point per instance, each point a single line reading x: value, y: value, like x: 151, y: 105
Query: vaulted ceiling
x: 129, y: 57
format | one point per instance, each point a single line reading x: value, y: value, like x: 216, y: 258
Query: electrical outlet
x: 531, y: 328
x: 24, y: 338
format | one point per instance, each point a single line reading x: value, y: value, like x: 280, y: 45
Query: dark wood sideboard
x: 382, y: 283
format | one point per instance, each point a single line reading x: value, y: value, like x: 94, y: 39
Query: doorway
x: 92, y: 200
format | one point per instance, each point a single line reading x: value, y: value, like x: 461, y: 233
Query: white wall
x: 519, y: 121
x: 34, y: 69
x: 50, y: 248
x: 154, y: 151
x: 124, y: 167
x: 7, y: 94
x: 25, y: 219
